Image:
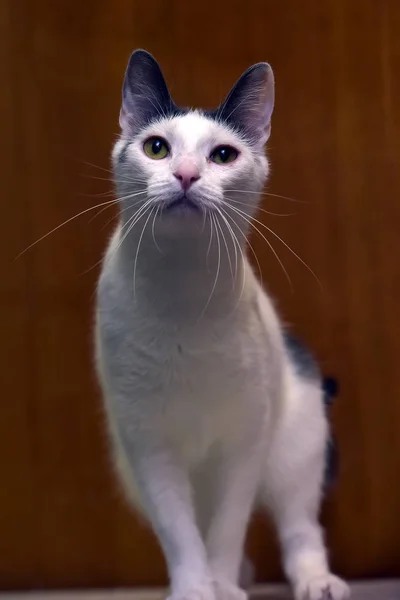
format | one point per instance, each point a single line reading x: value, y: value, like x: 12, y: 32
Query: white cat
x: 208, y: 410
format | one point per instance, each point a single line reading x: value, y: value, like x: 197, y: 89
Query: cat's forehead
x: 195, y: 129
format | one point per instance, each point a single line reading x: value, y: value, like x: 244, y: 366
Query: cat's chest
x: 167, y: 358
x: 192, y: 364
x: 206, y: 395
x: 200, y: 365
x: 196, y: 384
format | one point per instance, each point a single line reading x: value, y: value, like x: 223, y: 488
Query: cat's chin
x: 182, y: 206
x: 181, y: 221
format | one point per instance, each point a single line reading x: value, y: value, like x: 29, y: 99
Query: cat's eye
x: 156, y: 148
x: 222, y: 155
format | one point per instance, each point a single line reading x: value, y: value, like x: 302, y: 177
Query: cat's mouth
x: 182, y: 204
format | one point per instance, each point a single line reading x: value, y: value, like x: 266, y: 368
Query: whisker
x: 259, y: 208
x: 131, y: 222
x: 295, y: 254
x: 122, y: 210
x: 117, y: 179
x: 128, y: 197
x: 255, y: 258
x: 111, y: 172
x: 264, y: 193
x: 245, y: 218
x: 235, y: 241
x: 98, y: 195
x: 65, y: 223
x: 210, y: 241
x: 288, y: 247
x: 111, y: 192
x: 134, y: 219
x: 113, y: 218
x: 97, y: 178
x: 133, y: 195
x: 227, y: 225
x: 100, y: 212
x: 218, y: 268
x: 247, y: 241
x: 152, y: 229
x: 89, y: 164
x: 284, y: 198
x: 242, y: 255
x: 227, y: 252
x: 204, y: 221
x: 137, y: 252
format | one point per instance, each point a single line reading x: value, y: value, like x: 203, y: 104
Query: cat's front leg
x: 235, y: 484
x: 167, y: 500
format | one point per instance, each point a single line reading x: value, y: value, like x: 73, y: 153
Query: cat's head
x: 190, y: 164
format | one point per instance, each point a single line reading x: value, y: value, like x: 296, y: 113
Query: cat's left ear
x: 249, y: 104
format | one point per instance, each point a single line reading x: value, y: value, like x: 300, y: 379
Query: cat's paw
x: 227, y: 591
x: 327, y: 587
x: 198, y: 592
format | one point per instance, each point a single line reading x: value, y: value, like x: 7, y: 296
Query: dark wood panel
x: 335, y: 147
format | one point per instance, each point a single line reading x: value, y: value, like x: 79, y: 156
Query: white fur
x: 207, y: 413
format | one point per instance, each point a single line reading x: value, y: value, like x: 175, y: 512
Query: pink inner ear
x: 266, y: 100
x: 262, y: 116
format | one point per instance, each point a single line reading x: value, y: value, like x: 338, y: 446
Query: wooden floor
x: 385, y: 590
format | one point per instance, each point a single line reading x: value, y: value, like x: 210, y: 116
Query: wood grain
x: 335, y: 147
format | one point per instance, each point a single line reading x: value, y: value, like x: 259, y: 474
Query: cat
x: 209, y: 412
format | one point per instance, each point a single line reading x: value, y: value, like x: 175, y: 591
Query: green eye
x: 156, y: 148
x: 224, y: 155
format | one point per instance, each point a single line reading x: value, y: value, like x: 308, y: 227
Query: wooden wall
x: 335, y: 146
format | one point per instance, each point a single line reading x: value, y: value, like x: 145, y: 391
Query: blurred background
x: 335, y: 152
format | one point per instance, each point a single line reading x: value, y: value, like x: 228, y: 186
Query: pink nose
x: 187, y: 173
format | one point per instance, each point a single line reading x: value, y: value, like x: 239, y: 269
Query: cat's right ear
x: 145, y: 95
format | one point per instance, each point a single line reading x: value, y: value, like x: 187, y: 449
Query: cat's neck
x: 185, y: 274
